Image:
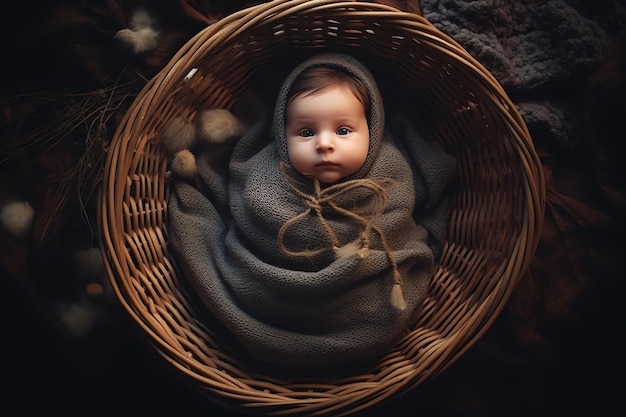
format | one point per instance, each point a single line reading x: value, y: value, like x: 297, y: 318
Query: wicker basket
x: 494, y: 221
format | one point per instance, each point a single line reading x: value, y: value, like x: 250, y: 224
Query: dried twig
x: 38, y: 122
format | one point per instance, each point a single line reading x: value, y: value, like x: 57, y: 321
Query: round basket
x: 495, y: 215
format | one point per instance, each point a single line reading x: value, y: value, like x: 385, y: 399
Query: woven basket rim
x: 149, y: 289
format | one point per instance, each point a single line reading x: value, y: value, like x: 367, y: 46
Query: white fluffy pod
x: 142, y: 20
x: 218, y: 125
x: 142, y: 35
x: 178, y: 134
x: 78, y: 317
x: 17, y: 218
x: 184, y: 164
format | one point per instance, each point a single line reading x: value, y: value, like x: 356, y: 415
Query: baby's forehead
x: 331, y: 103
x: 341, y: 85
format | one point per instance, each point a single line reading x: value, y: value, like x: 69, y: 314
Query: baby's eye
x: 306, y: 133
x: 343, y: 131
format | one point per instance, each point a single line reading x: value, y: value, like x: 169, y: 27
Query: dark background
x: 555, y: 350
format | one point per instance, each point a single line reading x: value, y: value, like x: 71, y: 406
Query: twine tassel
x: 397, y: 296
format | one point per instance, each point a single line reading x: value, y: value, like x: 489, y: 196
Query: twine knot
x: 328, y: 199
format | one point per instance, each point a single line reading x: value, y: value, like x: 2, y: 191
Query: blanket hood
x: 376, y: 118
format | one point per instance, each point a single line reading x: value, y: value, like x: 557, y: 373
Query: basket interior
x: 494, y: 219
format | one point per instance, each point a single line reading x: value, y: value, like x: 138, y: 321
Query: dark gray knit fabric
x: 317, y: 314
x: 541, y: 51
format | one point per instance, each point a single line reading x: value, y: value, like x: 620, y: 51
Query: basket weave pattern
x: 495, y: 216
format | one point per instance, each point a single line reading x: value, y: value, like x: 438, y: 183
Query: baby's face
x: 327, y: 134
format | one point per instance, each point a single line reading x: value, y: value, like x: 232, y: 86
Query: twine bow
x: 326, y: 199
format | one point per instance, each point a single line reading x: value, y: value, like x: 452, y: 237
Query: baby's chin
x: 329, y: 177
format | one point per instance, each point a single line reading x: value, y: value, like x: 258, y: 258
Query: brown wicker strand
x: 494, y: 220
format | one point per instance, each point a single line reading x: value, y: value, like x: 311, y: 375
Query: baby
x: 327, y: 137
x: 315, y: 243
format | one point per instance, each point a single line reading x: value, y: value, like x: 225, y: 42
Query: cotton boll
x: 141, y: 40
x: 184, y: 164
x: 17, y: 218
x: 142, y: 35
x: 218, y: 125
x: 178, y: 134
x: 78, y: 318
x: 141, y: 20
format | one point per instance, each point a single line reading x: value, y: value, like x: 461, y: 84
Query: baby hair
x: 314, y: 79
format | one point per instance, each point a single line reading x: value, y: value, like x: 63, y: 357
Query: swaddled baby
x: 315, y: 244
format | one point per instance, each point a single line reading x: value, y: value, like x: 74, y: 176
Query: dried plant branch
x: 39, y: 122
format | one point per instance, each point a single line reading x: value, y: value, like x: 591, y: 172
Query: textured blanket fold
x: 265, y: 247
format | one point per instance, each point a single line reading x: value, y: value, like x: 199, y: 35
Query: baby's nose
x: 325, y: 142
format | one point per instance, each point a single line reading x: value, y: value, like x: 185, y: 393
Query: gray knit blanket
x: 541, y: 51
x: 303, y: 275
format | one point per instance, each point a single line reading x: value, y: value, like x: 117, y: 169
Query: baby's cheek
x: 298, y: 155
